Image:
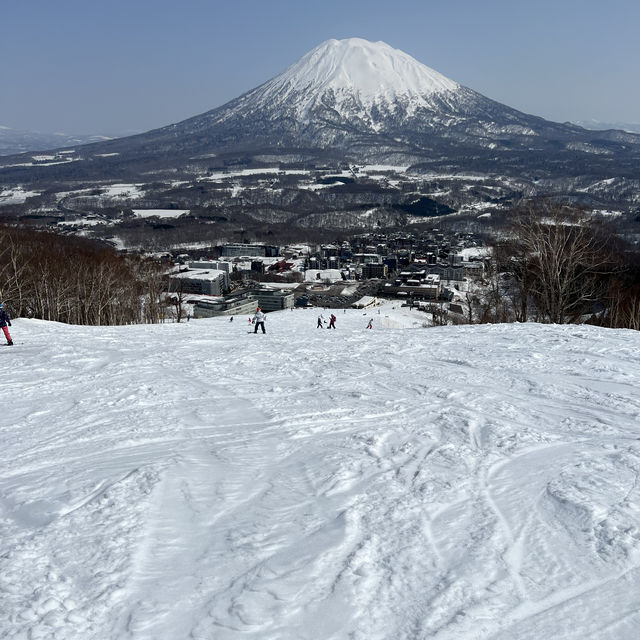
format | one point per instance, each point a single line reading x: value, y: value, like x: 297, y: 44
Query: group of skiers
x: 5, y: 323
x: 332, y: 322
x: 258, y: 321
x: 321, y: 321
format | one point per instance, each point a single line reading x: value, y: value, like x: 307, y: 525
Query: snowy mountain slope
x: 196, y: 481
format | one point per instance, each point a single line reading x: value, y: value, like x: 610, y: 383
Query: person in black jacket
x: 4, y: 321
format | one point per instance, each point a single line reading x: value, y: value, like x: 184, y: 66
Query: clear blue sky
x: 83, y: 66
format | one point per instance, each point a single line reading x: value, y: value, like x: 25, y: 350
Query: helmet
x: 258, y: 309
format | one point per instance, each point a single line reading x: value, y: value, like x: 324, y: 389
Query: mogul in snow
x: 4, y: 321
x: 258, y: 321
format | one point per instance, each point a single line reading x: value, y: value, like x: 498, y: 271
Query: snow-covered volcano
x: 359, y: 102
x: 344, y: 90
x: 355, y: 72
x: 374, y: 103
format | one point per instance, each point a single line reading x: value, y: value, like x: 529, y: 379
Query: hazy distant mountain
x: 362, y: 102
x: 630, y: 127
x: 14, y: 141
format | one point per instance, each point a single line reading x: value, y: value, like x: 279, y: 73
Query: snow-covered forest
x: 195, y: 480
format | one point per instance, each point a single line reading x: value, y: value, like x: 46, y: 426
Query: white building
x: 212, y: 282
x: 217, y: 265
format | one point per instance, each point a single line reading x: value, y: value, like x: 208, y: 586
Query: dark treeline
x: 76, y: 280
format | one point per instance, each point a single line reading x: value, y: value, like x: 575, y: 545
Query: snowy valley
x: 195, y: 480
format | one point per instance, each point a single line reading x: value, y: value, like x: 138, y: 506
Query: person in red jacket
x: 4, y: 321
x: 332, y: 322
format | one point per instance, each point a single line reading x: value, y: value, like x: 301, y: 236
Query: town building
x: 218, y: 265
x: 274, y: 299
x: 242, y: 303
x: 249, y: 250
x: 374, y: 270
x: 367, y: 258
x: 415, y: 285
x: 212, y: 282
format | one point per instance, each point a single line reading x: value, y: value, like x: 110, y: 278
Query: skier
x: 258, y: 321
x: 320, y: 322
x: 370, y: 325
x: 4, y: 321
x: 332, y: 322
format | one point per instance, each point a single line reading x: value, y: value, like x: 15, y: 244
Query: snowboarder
x: 320, y: 324
x: 332, y: 322
x: 370, y: 325
x: 4, y: 321
x: 258, y: 321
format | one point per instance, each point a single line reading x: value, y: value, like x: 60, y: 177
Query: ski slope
x: 196, y: 481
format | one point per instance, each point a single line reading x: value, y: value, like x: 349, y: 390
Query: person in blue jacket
x: 4, y: 321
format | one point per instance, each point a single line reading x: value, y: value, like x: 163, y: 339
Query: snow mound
x: 196, y: 480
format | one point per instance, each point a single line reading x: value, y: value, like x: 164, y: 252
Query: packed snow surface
x: 195, y: 480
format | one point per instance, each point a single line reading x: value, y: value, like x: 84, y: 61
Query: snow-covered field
x: 15, y: 196
x: 196, y: 481
x: 131, y: 191
x: 160, y: 213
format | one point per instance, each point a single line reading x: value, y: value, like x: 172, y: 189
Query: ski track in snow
x: 195, y: 481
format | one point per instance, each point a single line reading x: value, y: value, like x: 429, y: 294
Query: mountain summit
x: 355, y: 71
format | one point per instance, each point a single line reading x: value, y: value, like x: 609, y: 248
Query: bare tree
x: 562, y: 261
x: 70, y: 279
x: 150, y: 275
x: 623, y: 296
x: 12, y: 269
x: 470, y: 303
x: 493, y: 303
x: 512, y: 261
x: 176, y: 298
